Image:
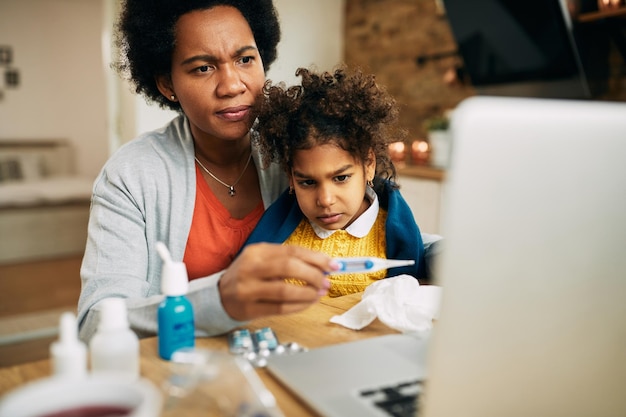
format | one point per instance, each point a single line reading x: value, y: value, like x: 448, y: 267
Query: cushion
x: 51, y: 190
x: 19, y: 167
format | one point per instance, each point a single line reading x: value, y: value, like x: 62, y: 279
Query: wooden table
x: 310, y: 328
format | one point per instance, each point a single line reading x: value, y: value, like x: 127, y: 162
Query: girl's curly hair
x: 145, y: 36
x: 345, y: 108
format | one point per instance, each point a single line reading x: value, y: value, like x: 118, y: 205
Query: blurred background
x: 63, y: 111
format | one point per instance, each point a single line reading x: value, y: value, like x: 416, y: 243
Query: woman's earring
x: 290, y: 189
x: 173, y: 97
x: 370, y: 183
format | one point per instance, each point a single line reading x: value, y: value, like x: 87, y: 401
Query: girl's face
x: 216, y: 74
x: 330, y: 185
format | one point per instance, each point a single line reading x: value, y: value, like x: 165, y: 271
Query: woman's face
x: 330, y: 185
x: 217, y: 72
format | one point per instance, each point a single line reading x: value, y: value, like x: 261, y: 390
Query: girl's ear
x: 164, y: 84
x: 370, y: 166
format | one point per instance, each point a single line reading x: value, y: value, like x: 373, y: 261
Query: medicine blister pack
x: 240, y: 341
x: 256, y: 346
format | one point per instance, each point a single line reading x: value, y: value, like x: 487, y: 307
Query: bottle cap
x: 69, y: 354
x: 174, y: 279
x: 113, y: 315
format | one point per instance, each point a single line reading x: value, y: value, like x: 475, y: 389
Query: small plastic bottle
x: 115, y: 347
x: 68, y: 354
x: 176, y: 325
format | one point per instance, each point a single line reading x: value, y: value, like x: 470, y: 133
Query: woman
x: 196, y: 184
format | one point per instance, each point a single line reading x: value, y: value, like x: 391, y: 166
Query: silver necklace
x: 231, y: 188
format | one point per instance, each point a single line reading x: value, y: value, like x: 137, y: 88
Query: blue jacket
x: 404, y: 240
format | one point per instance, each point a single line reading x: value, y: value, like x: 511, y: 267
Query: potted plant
x: 438, y: 139
x: 437, y: 123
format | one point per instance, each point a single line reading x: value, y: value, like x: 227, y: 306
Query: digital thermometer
x: 367, y: 264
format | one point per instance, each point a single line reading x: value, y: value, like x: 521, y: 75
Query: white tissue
x: 399, y: 302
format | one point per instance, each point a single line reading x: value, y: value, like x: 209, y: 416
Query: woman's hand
x: 254, y: 284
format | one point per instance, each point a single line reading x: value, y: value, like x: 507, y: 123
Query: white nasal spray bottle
x: 68, y: 354
x: 115, y: 347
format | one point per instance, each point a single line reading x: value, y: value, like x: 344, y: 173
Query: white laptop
x: 533, y: 315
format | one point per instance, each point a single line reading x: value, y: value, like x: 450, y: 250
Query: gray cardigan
x: 145, y: 193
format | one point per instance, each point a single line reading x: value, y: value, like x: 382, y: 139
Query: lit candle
x: 419, y: 152
x: 610, y: 4
x: 397, y: 152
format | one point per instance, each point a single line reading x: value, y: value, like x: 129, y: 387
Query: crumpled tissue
x: 399, y: 302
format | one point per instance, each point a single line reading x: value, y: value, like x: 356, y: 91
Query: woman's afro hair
x: 145, y: 36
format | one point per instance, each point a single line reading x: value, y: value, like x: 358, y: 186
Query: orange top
x: 215, y: 237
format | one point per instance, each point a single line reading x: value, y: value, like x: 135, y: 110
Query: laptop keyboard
x: 398, y: 400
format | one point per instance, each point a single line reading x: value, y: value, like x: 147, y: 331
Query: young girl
x: 331, y: 136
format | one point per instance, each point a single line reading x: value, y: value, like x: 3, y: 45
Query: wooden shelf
x: 422, y: 171
x: 603, y: 14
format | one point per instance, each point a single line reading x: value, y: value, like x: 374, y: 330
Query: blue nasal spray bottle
x: 175, y: 314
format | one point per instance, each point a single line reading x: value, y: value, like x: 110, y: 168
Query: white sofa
x: 44, y: 205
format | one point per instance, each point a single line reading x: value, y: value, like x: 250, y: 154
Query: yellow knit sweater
x: 342, y: 244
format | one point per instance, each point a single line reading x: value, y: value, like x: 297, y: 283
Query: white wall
x: 56, y: 48
x: 67, y: 90
x: 312, y: 34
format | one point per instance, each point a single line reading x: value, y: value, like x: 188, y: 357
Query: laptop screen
x: 533, y: 318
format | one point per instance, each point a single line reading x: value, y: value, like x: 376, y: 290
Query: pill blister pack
x: 256, y: 346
